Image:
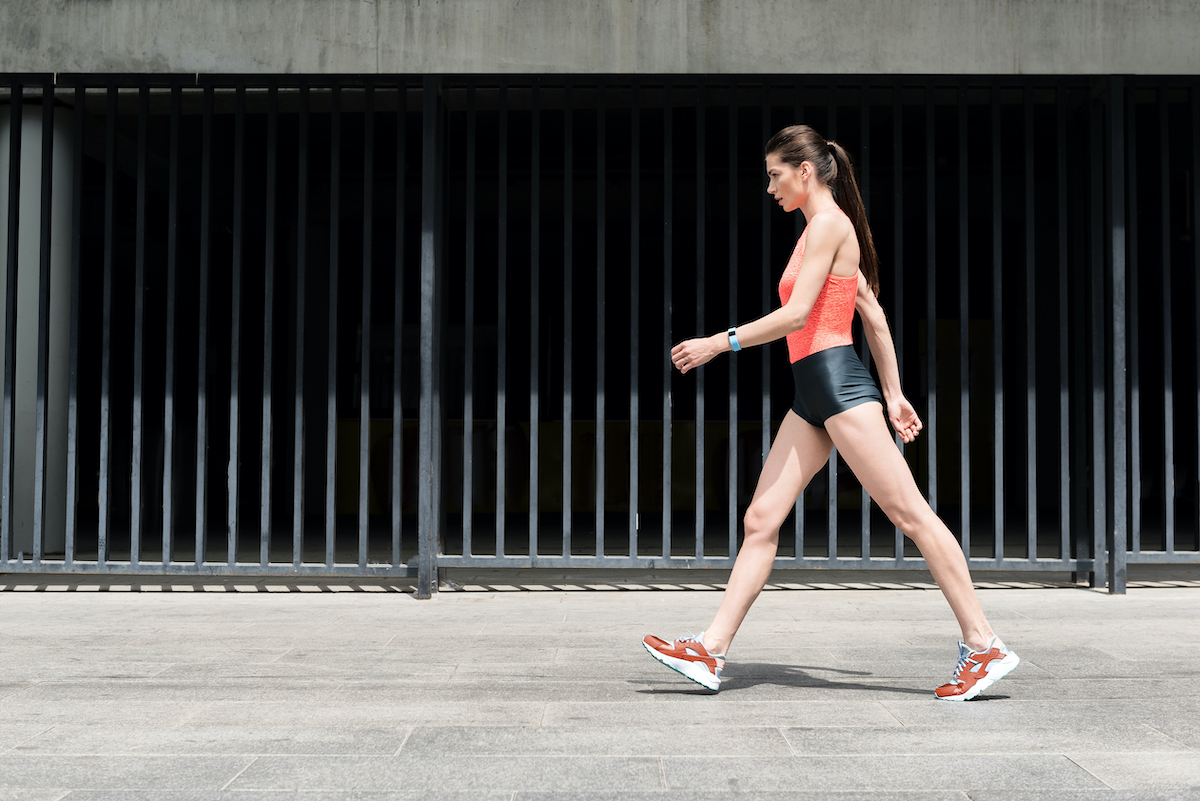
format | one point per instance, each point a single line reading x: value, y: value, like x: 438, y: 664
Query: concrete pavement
x: 238, y: 689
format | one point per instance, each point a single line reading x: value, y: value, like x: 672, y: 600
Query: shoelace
x: 962, y: 662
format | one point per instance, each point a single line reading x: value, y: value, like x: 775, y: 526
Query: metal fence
x: 360, y: 326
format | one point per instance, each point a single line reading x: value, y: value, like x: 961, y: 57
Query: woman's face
x: 785, y: 183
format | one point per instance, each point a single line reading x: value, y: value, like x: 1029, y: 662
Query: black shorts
x: 831, y: 381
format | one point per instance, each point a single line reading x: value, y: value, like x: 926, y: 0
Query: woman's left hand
x: 691, y: 353
x: 904, y: 419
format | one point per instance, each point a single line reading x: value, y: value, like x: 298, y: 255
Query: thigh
x: 800, y: 449
x: 864, y: 441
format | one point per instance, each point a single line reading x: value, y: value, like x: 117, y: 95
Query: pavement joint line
x: 1088, y: 772
x: 238, y: 774
x: 404, y: 742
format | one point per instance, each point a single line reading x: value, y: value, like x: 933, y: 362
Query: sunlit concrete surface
x: 535, y: 686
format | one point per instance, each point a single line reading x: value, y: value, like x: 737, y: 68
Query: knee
x: 911, y: 517
x: 761, y: 523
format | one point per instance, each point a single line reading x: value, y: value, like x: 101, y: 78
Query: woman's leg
x: 863, y: 439
x: 799, y: 451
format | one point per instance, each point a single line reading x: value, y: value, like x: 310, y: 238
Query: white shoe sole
x: 695, y: 671
x: 998, y: 671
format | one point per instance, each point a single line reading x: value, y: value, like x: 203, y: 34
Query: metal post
x: 268, y: 427
x: 301, y: 269
x: 601, y: 267
x: 233, y: 467
x: 168, y: 477
x: 535, y: 293
x: 10, y: 324
x: 43, y: 346
x: 427, y: 514
x: 335, y: 202
x: 469, y: 317
x: 364, y: 388
x: 72, y: 517
x: 1118, y: 538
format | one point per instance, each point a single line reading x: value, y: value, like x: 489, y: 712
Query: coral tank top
x: 831, y: 316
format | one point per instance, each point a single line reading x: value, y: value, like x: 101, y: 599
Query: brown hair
x: 799, y: 143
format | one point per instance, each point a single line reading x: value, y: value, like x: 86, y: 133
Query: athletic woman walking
x: 832, y: 273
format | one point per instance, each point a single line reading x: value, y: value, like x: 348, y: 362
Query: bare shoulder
x: 830, y: 228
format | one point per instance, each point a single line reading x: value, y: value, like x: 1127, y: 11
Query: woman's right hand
x: 904, y: 419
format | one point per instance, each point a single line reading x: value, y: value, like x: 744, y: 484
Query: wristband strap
x: 733, y: 339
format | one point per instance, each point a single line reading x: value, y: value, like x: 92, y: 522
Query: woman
x: 836, y: 404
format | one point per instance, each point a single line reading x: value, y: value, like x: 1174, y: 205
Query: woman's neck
x: 818, y: 200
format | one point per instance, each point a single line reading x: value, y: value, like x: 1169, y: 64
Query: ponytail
x: 845, y: 192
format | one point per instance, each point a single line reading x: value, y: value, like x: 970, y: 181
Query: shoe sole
x: 1002, y: 669
x: 682, y: 667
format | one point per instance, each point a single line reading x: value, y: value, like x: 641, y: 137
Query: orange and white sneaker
x: 978, y: 670
x: 689, y: 657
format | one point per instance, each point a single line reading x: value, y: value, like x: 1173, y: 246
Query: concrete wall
x: 602, y: 36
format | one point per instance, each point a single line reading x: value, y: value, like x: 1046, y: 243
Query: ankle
x: 715, y: 646
x: 980, y: 641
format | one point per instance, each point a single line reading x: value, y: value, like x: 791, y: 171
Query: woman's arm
x: 825, y: 235
x: 900, y: 412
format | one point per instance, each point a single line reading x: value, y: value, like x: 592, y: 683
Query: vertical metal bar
x: 502, y: 326
x: 43, y: 344
x: 997, y: 333
x: 700, y: 278
x: 427, y: 514
x: 335, y: 204
x: 1135, y: 400
x: 798, y: 223
x: 268, y: 423
x: 931, y: 320
x: 601, y: 267
x: 832, y: 465
x: 1031, y: 316
x: 110, y: 167
x: 10, y: 321
x: 668, y: 253
x: 301, y: 269
x: 732, y: 497
x: 202, y: 351
x: 535, y: 293
x: 964, y: 329
x: 568, y: 317
x: 364, y: 389
x: 1118, y: 531
x: 864, y: 180
x: 1164, y: 156
x: 768, y: 294
x: 1064, y: 375
x: 469, y: 358
x: 1195, y: 137
x: 1098, y: 365
x: 72, y: 518
x: 397, y: 483
x: 301, y: 264
x: 635, y: 266
x: 898, y: 161
x: 168, y: 478
x: 136, y: 506
x: 235, y: 292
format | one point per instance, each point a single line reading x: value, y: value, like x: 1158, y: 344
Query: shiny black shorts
x: 831, y: 381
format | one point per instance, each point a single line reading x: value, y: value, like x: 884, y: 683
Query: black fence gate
x: 378, y: 326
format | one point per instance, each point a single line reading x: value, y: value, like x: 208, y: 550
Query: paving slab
x: 1127, y: 771
x: 116, y: 771
x: 1045, y: 772
x: 457, y: 774
x: 667, y: 739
